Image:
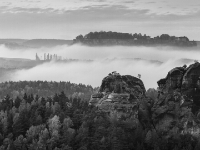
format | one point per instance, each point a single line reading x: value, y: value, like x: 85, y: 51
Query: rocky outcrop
x: 122, y: 84
x: 173, y: 80
x: 124, y: 95
x: 170, y: 111
x: 178, y: 102
x: 191, y: 83
x: 185, y: 80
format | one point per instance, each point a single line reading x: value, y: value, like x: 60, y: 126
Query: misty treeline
x: 62, y: 123
x: 134, y: 39
x: 44, y: 89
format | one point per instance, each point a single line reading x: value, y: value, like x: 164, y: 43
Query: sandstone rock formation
x: 170, y: 111
x: 124, y: 95
x: 191, y: 84
x: 122, y: 84
x: 124, y: 88
x: 178, y: 102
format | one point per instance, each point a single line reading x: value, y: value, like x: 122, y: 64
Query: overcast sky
x: 65, y: 19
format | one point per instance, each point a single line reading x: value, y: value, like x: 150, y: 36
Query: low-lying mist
x: 154, y: 64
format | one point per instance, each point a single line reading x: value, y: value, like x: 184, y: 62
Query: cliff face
x: 184, y: 80
x: 191, y: 82
x: 173, y: 80
x: 178, y: 103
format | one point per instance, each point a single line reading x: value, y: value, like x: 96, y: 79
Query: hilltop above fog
x: 115, y: 38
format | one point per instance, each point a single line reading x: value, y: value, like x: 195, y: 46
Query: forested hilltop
x: 115, y: 38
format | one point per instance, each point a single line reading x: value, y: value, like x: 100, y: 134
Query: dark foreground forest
x: 61, y: 123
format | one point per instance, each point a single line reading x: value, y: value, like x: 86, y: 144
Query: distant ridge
x: 17, y: 63
x: 46, y: 42
x: 33, y: 43
x: 18, y: 41
x: 103, y: 39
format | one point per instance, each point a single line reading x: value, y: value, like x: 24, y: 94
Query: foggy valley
x: 95, y: 62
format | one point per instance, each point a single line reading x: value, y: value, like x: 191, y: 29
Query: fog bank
x: 104, y: 61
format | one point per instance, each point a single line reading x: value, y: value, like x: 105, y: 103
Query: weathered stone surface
x: 173, y: 80
x: 178, y: 101
x: 184, y: 80
x: 191, y: 84
x: 191, y: 78
x: 169, y: 113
